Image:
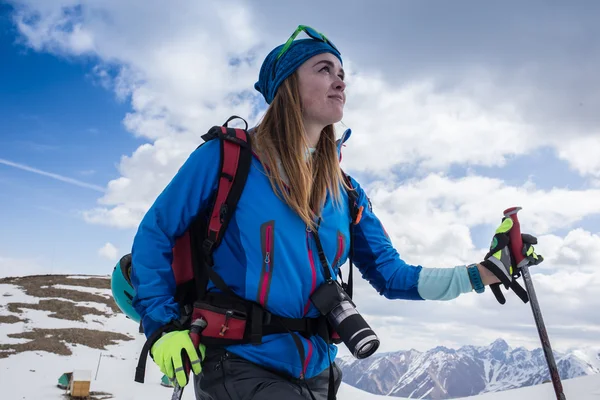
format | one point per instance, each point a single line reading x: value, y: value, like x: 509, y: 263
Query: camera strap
x: 321, y: 252
x: 325, y: 265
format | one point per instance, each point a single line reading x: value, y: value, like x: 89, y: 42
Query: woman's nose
x: 340, y: 85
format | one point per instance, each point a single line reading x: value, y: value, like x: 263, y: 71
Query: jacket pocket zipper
x: 341, y: 242
x: 267, y: 234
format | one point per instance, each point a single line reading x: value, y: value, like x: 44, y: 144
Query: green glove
x: 167, y: 354
x: 500, y: 261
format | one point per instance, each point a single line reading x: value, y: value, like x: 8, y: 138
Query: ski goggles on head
x: 313, y: 34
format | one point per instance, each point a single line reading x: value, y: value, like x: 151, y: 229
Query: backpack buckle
x: 207, y: 246
x: 231, y: 135
x: 212, y: 133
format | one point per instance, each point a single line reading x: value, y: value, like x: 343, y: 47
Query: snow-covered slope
x: 52, y: 324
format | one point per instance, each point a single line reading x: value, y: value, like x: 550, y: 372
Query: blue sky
x: 457, y: 112
x: 54, y: 117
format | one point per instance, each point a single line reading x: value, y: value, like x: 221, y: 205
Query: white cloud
x: 109, y: 251
x: 175, y: 66
x: 430, y: 218
x: 419, y: 124
x: 429, y: 222
x: 582, y: 154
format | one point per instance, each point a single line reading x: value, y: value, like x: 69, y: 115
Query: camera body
x: 333, y: 302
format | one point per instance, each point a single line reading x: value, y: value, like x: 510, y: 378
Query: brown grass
x: 53, y: 300
x: 59, y: 309
x: 93, y: 396
x: 53, y: 340
x: 33, y: 286
x: 10, y: 319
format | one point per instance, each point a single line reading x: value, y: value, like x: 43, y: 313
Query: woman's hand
x: 487, y: 277
x: 499, y: 267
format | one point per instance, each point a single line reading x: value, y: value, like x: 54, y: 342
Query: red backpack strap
x: 236, y: 159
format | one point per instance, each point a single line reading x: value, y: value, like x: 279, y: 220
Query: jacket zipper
x: 340, y: 251
x: 308, y: 357
x: 312, y: 268
x: 312, y: 289
x: 267, y: 245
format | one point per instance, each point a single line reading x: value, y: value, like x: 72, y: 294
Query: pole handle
x: 196, y: 329
x: 516, y: 241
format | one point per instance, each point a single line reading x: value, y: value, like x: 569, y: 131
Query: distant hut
x: 80, y: 384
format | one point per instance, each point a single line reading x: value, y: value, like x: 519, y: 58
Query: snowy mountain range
x: 443, y: 373
x: 54, y: 324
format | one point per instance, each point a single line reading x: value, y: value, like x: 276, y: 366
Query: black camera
x: 334, y: 303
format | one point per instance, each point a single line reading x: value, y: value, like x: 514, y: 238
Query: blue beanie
x: 300, y: 51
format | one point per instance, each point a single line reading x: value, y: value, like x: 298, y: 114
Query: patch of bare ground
x: 10, y: 319
x: 41, y: 286
x: 93, y: 396
x: 58, y: 308
x: 55, y: 340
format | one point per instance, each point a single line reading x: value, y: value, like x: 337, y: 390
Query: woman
x: 295, y: 202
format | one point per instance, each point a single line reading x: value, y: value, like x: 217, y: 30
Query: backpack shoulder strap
x: 236, y: 159
x: 355, y: 216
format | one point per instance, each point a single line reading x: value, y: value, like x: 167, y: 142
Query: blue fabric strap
x: 475, y: 278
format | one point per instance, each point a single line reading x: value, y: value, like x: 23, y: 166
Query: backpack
x: 231, y: 318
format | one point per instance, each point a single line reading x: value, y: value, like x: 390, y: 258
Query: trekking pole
x: 98, y: 367
x: 196, y: 329
x: 516, y: 243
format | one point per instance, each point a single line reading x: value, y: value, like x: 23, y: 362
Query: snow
x: 102, y: 292
x: 85, y: 277
x: 82, y: 375
x: 33, y: 375
x: 584, y: 388
x: 590, y: 355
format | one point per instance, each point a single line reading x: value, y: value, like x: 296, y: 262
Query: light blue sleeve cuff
x: 444, y: 283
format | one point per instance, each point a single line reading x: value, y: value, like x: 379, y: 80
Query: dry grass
x: 54, y: 340
x: 10, y: 319
x: 54, y: 300
x: 33, y: 286
x: 93, y: 396
x: 59, y: 309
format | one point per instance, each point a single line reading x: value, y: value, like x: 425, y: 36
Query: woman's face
x: 321, y: 85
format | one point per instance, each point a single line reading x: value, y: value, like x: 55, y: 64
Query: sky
x: 458, y: 111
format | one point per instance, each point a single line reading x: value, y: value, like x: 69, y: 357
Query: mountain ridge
x: 445, y: 373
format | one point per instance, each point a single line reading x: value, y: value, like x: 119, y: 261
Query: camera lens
x: 333, y: 302
x: 353, y: 330
x: 367, y: 347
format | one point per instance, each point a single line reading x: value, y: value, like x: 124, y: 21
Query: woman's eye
x: 325, y: 68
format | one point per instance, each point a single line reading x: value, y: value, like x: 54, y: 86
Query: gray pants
x: 226, y: 376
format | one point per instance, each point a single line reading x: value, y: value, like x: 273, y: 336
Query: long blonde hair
x: 280, y: 137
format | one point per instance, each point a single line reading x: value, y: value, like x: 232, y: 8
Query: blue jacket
x: 281, y: 280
